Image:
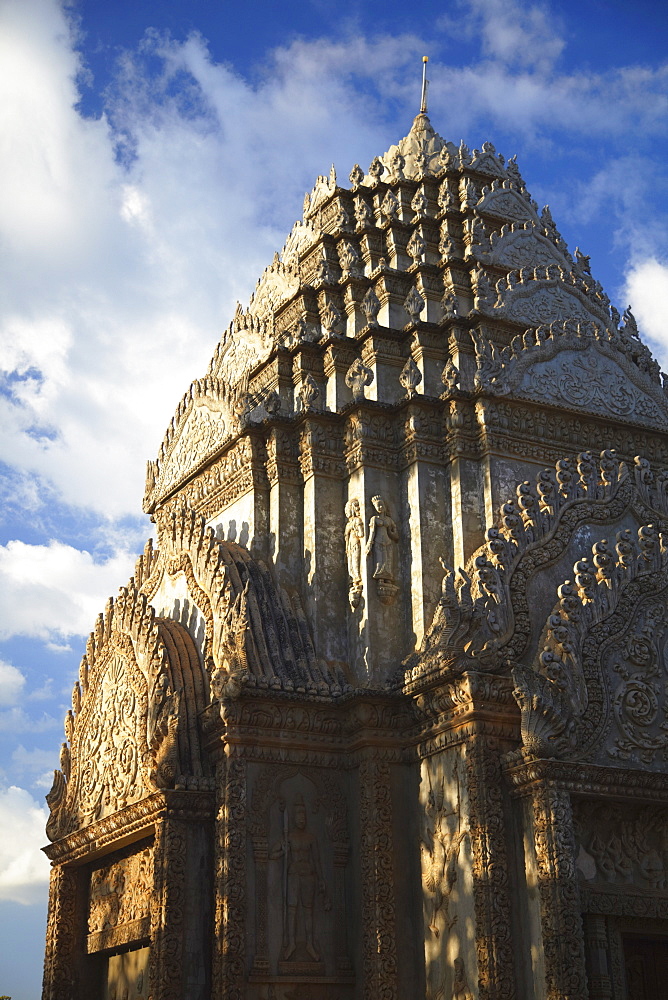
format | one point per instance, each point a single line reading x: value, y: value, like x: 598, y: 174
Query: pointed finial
x: 425, y: 84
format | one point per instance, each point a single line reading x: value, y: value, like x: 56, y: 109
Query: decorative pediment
x: 302, y: 236
x: 535, y: 298
x: 598, y: 689
x: 505, y: 201
x: 523, y: 245
x: 277, y: 285
x: 588, y: 380
x: 205, y: 418
x: 485, y: 617
x: 248, y: 342
x: 417, y: 154
x: 581, y: 366
x: 132, y: 728
x: 488, y: 161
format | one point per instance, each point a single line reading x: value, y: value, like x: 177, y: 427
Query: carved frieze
x: 622, y: 846
x: 120, y: 899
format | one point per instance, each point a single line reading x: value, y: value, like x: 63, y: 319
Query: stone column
x: 491, y: 894
x: 168, y: 911
x: 285, y: 506
x: 325, y: 583
x: 561, y: 922
x: 341, y: 856
x: 229, y: 964
x: 60, y: 959
x: 598, y: 963
x: 260, y: 857
x: 376, y: 862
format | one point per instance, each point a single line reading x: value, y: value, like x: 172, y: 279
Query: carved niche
x: 300, y: 848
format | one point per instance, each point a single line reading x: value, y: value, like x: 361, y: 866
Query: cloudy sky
x: 154, y: 156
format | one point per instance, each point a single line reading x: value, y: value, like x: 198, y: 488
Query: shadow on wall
x: 244, y: 534
x: 188, y: 614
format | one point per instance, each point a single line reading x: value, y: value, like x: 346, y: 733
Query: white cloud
x: 647, y: 291
x: 36, y: 765
x: 11, y: 683
x: 55, y: 589
x: 122, y: 270
x: 24, y: 870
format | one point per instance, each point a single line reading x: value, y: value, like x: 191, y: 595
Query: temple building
x: 382, y: 713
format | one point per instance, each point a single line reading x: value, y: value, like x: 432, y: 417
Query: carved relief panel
x: 447, y: 887
x: 119, y: 901
x: 110, y: 754
x: 622, y: 848
x: 637, y: 670
x: 585, y: 379
x: 298, y: 915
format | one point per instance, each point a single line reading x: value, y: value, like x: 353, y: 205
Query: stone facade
x: 383, y: 713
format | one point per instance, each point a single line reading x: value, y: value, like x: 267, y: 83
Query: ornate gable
x: 132, y: 726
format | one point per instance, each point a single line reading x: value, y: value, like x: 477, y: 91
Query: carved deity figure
x: 383, y: 536
x: 354, y: 536
x: 302, y: 878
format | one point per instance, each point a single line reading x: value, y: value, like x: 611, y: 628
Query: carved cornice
x: 526, y: 773
x: 130, y: 824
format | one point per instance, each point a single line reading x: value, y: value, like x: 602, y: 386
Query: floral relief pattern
x: 587, y: 381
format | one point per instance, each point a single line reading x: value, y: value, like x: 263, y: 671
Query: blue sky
x: 155, y: 156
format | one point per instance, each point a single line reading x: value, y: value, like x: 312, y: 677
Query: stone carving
x: 416, y: 247
x: 371, y: 306
x: 414, y: 304
x: 356, y: 177
x: 354, y: 537
x: 377, y: 869
x: 381, y: 541
x: 555, y: 698
x: 410, y: 378
x: 419, y: 205
x: 450, y: 305
x: 349, y: 259
x: 120, y: 895
x: 483, y: 295
x: 302, y: 880
x: 450, y: 377
x: 587, y: 381
x: 204, y: 420
x: 308, y: 393
x: 358, y: 377
x: 628, y: 846
x: 332, y: 320
x: 440, y: 852
x: 376, y: 171
x: 389, y: 206
x: 460, y: 986
x: 364, y: 216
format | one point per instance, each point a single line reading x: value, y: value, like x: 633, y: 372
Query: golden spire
x: 425, y: 84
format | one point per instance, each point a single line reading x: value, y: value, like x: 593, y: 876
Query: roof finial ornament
x: 425, y: 84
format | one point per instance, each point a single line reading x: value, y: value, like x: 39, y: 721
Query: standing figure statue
x: 303, y: 876
x: 354, y: 536
x: 383, y: 536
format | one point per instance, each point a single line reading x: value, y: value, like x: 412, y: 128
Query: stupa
x: 382, y: 713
